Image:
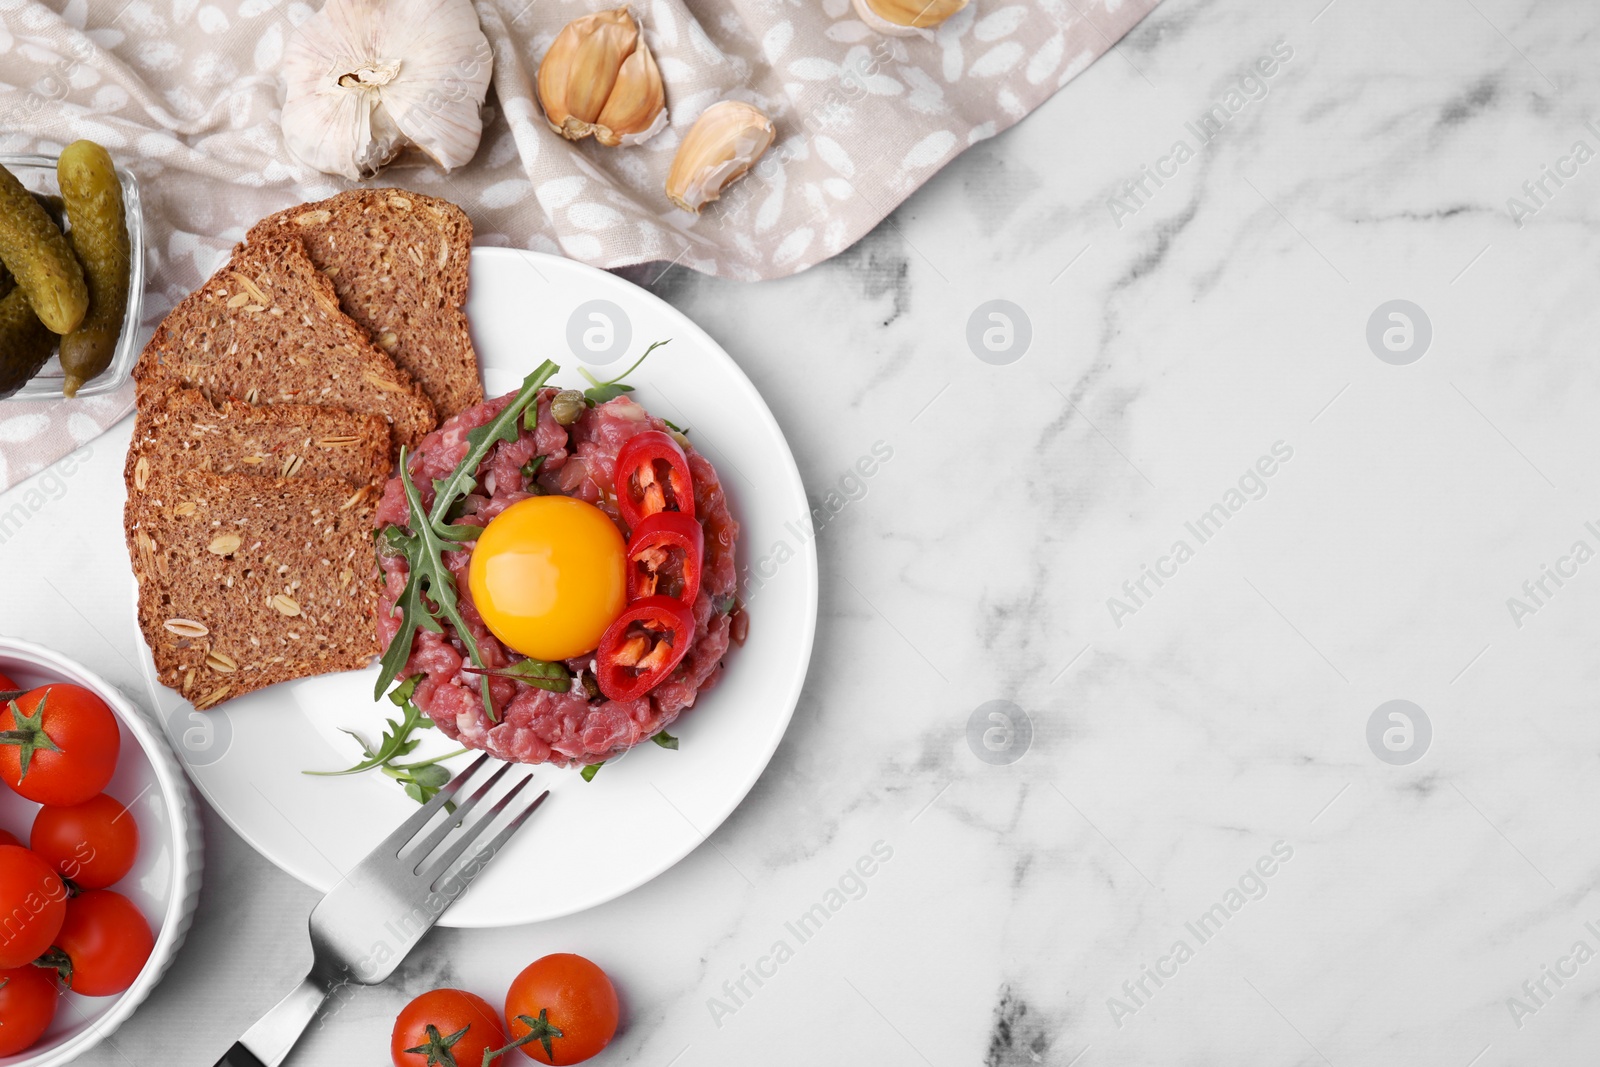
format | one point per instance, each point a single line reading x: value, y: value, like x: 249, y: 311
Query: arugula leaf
x: 412, y: 606
x: 593, y: 769
x: 429, y: 558
x: 503, y: 427
x: 539, y: 673
x: 599, y: 392
x: 422, y: 780
x: 675, y: 427
x: 397, y: 740
x: 666, y: 740
x: 402, y: 693
x: 459, y: 508
x: 458, y: 531
x: 427, y: 579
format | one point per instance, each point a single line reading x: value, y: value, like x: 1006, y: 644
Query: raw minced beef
x: 535, y: 725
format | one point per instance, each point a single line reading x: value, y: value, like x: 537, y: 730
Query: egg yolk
x: 549, y: 575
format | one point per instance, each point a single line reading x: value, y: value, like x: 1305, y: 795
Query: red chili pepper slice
x: 660, y: 542
x: 651, y: 476
x: 643, y: 646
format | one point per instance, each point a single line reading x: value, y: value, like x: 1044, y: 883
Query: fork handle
x: 267, y: 1043
x: 239, y: 1056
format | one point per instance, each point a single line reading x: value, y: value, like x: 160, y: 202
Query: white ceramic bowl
x: 165, y: 880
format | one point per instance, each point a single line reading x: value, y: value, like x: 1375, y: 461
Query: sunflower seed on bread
x: 398, y: 262
x: 294, y: 594
x: 181, y: 428
x: 288, y: 343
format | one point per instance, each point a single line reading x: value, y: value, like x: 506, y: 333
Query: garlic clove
x: 724, y: 143
x: 578, y: 73
x: 600, y: 79
x: 903, y: 18
x: 636, y: 109
x: 366, y: 78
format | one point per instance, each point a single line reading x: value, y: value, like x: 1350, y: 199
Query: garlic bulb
x: 903, y: 18
x: 600, y: 79
x: 366, y: 78
x: 724, y: 143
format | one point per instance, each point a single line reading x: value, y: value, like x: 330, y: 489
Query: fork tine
x: 481, y: 860
x: 469, y: 834
x: 440, y: 832
x: 396, y: 841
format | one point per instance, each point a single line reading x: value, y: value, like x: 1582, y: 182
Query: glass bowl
x: 38, y: 174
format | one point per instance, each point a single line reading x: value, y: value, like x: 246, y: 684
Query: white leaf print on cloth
x: 1001, y: 23
x: 186, y: 94
x: 928, y: 151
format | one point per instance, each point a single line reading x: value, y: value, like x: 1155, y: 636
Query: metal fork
x: 369, y: 922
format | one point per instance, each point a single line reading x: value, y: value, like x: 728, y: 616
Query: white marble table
x: 1188, y: 735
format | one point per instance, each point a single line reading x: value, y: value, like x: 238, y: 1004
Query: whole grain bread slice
x: 398, y: 261
x: 182, y: 428
x: 267, y: 329
x: 248, y: 581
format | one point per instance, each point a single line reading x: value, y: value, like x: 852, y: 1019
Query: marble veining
x: 1029, y: 907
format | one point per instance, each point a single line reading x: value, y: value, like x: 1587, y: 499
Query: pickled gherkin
x: 39, y: 257
x: 99, y: 237
x: 55, y: 207
x: 25, y: 344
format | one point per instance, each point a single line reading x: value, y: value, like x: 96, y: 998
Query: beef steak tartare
x: 531, y: 724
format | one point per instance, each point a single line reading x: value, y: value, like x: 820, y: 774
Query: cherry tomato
x: 59, y: 744
x: 92, y: 844
x: 7, y: 838
x: 665, y: 554
x: 103, y: 944
x: 651, y: 475
x: 28, y: 999
x: 446, y: 1028
x: 34, y: 903
x: 7, y: 685
x: 642, y: 647
x: 567, y: 1003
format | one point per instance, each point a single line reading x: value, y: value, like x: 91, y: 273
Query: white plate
x: 592, y: 841
x: 165, y: 880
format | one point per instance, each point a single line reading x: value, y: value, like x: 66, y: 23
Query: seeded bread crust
x: 267, y: 329
x: 247, y: 581
x: 398, y: 261
x: 182, y: 429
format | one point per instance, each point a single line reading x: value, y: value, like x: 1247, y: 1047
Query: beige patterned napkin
x: 186, y: 94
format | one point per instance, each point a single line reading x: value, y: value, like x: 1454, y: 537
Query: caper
x: 568, y: 406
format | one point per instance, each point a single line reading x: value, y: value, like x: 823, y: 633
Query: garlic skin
x: 366, y: 78
x: 724, y: 143
x: 906, y: 18
x: 600, y: 79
